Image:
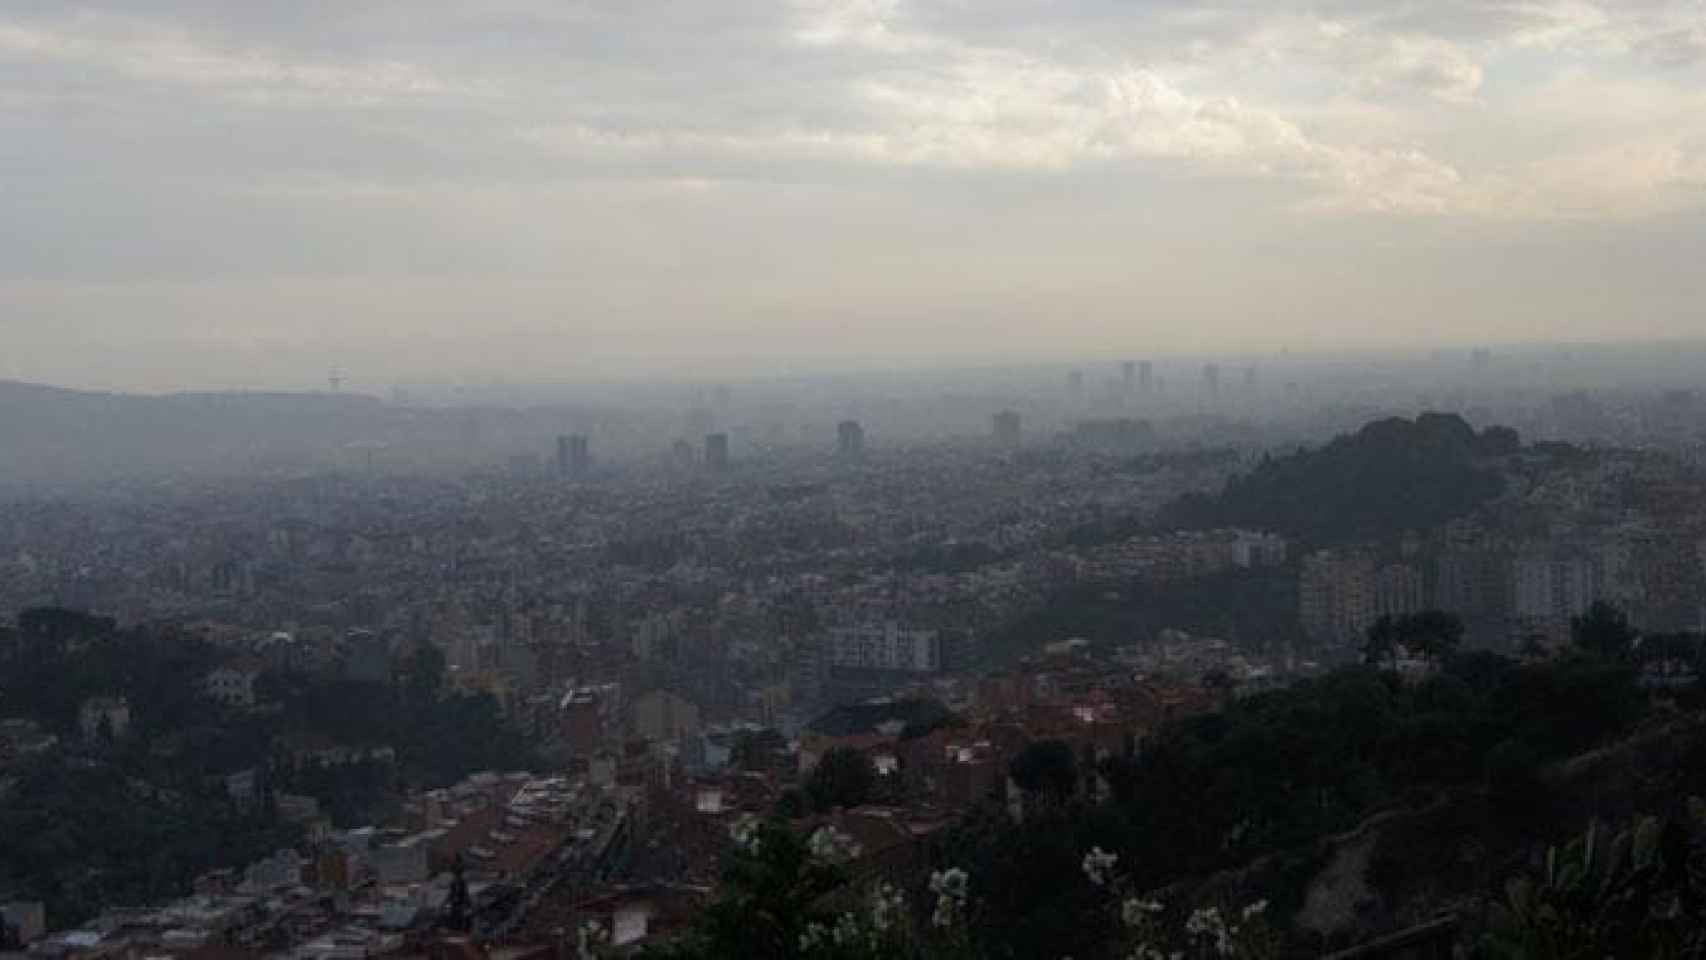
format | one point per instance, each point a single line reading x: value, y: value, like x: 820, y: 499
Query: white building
x: 884, y: 647
x: 1553, y: 590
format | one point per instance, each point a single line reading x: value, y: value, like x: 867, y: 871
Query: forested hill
x: 1392, y: 475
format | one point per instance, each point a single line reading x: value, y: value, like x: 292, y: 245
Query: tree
x: 1381, y: 644
x: 1045, y: 767
x: 1430, y: 634
x: 772, y: 889
x: 842, y: 778
x: 792, y: 804
x: 424, y: 675
x: 1603, y: 632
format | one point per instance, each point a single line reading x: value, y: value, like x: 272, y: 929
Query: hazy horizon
x: 208, y: 195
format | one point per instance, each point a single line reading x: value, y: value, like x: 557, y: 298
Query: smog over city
x: 852, y: 479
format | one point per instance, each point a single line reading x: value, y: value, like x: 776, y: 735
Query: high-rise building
x: 717, y: 451
x: 580, y: 453
x: 1075, y: 382
x: 1007, y: 427
x: 1146, y: 376
x: 1553, y: 589
x: 884, y: 646
x: 1211, y: 379
x: 1336, y: 596
x: 681, y: 452
x: 850, y: 440
x: 1398, y: 591
x: 574, y: 455
x: 1128, y: 377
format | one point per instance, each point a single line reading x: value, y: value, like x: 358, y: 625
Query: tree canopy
x: 1391, y: 476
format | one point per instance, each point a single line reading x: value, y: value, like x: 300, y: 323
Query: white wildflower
x: 949, y: 883
x: 888, y: 905
x: 830, y: 844
x: 744, y: 832
x: 1098, y: 864
x: 1208, y: 926
x: 950, y: 888
x: 1255, y: 909
x: 1134, y: 911
x: 815, y: 935
x: 846, y: 932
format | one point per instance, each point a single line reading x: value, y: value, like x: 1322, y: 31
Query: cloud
x: 820, y: 152
x: 155, y: 53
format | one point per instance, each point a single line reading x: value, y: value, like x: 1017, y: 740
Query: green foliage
x: 1391, y: 476
x: 771, y: 890
x: 1254, y: 608
x: 1635, y: 892
x: 1428, y: 634
x: 1275, y: 771
x: 133, y: 819
x: 786, y: 896
x: 1270, y: 774
x: 82, y: 835
x: 1603, y: 632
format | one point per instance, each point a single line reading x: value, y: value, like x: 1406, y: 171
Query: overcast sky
x: 200, y: 193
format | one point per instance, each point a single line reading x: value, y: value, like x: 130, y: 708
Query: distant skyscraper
x: 1007, y: 427
x: 717, y: 451
x: 682, y: 453
x: 1145, y: 376
x: 850, y: 440
x: 1128, y: 377
x: 574, y: 456
x: 1211, y: 379
x: 1250, y: 376
x: 1075, y: 382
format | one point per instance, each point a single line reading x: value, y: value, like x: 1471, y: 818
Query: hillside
x: 55, y: 436
x: 1391, y: 476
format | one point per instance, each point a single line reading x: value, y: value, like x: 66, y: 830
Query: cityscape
x: 852, y: 480
x: 541, y: 691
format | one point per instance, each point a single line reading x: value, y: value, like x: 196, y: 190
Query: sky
x: 210, y: 193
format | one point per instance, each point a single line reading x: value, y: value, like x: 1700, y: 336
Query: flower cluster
x: 845, y: 933
x: 1099, y: 865
x: 1208, y: 932
x: 951, y: 889
x: 744, y: 832
x: 1209, y: 929
x: 1135, y: 912
x: 888, y: 907
x: 1206, y: 926
x: 831, y: 845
